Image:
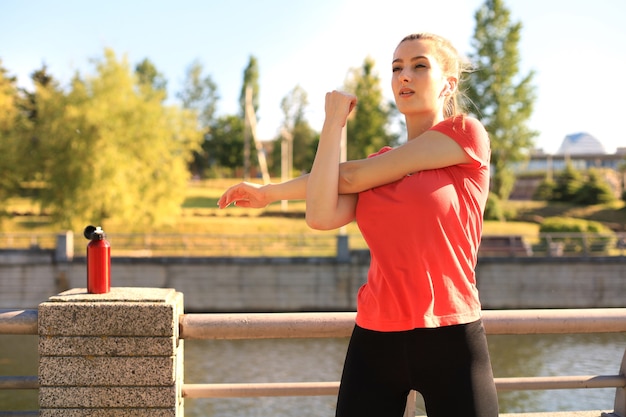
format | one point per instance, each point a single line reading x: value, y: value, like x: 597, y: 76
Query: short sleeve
x: 470, y: 134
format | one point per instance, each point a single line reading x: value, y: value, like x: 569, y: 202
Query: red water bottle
x: 98, y: 261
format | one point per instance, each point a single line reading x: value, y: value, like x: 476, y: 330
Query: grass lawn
x: 200, y: 215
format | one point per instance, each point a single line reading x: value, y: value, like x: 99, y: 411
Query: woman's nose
x: 404, y: 76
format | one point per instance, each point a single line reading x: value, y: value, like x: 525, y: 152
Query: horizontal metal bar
x: 18, y: 321
x: 321, y: 325
x: 324, y: 325
x: 560, y: 382
x: 555, y: 321
x: 289, y: 389
x: 19, y: 382
x: 275, y: 389
x: 266, y: 325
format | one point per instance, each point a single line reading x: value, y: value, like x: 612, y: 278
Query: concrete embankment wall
x: 28, y: 278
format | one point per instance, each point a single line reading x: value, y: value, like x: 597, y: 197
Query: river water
x: 300, y: 360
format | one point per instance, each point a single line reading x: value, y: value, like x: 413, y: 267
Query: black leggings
x: 449, y: 366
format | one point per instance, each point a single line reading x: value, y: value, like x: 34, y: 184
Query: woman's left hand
x: 338, y: 106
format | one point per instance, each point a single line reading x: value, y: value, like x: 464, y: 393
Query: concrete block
x: 107, y: 397
x: 110, y: 412
x: 88, y: 371
x: 114, y: 354
x: 122, y: 312
x: 106, y: 346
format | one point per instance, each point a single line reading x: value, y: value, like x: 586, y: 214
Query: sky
x: 577, y: 49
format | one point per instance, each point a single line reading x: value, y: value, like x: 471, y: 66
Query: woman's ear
x: 452, y: 85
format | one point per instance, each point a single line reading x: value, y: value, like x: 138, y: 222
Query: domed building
x: 580, y: 150
x: 581, y: 144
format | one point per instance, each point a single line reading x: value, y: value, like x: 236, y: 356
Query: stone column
x: 114, y: 354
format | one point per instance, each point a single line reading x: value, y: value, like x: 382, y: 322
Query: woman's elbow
x: 347, y: 179
x: 317, y: 222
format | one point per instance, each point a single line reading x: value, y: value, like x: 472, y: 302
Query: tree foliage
x: 368, y: 126
x: 150, y: 79
x: 573, y: 186
x: 297, y: 134
x: 567, y: 184
x: 595, y: 190
x: 200, y: 95
x: 250, y: 78
x: 12, y: 121
x: 109, y: 150
x: 503, y: 98
x: 224, y: 145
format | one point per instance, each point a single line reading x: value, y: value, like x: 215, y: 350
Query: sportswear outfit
x: 418, y: 323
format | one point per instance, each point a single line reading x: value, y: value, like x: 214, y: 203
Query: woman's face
x: 418, y: 82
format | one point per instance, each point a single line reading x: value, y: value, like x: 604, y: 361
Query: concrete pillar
x: 114, y: 354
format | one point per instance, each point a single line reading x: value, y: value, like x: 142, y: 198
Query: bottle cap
x: 93, y: 233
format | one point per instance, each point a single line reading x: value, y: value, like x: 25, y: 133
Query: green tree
x: 368, y: 125
x: 150, y: 78
x: 223, y: 145
x: 200, y: 94
x: 567, y: 184
x: 545, y: 190
x: 115, y: 153
x: 11, y: 123
x: 297, y: 134
x: 250, y: 78
x: 595, y: 190
x: 504, y: 98
x: 250, y: 81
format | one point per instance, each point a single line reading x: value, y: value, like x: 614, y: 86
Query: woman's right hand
x: 244, y: 194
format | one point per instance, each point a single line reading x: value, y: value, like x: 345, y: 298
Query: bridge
x: 111, y: 353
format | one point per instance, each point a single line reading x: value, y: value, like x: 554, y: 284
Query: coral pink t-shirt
x: 423, y: 232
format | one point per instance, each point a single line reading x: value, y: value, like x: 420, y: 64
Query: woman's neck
x: 418, y: 124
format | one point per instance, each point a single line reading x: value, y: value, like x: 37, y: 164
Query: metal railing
x: 333, y: 325
x: 319, y: 244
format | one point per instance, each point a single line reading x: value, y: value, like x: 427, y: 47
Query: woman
x: 419, y: 207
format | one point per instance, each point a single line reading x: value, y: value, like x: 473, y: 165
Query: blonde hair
x: 451, y: 64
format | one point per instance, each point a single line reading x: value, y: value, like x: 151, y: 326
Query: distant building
x: 581, y: 144
x: 582, y: 151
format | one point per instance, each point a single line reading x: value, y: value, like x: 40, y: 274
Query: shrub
x: 596, y: 190
x: 545, y: 191
x: 585, y: 234
x: 493, y: 208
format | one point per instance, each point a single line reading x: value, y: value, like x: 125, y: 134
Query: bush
x: 545, y: 191
x: 596, y: 190
x: 493, y: 208
x: 572, y: 186
x: 586, y: 234
x: 567, y: 184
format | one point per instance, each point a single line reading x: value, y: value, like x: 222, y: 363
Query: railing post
x: 111, y: 354
x: 64, y: 251
x: 343, y: 249
x: 619, y: 409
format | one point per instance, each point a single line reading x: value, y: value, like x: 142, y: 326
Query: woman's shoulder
x: 462, y: 125
x: 464, y: 121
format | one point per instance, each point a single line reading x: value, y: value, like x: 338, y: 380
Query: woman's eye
x: 417, y: 66
x: 396, y: 69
